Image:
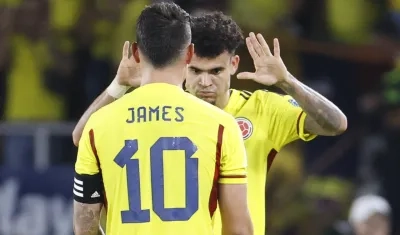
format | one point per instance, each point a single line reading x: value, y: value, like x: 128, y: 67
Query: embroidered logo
x: 95, y: 194
x: 294, y: 102
x: 245, y: 126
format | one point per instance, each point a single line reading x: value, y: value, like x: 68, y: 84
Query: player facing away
x: 159, y: 159
x: 268, y: 120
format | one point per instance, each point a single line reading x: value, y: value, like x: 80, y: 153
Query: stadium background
x: 57, y: 56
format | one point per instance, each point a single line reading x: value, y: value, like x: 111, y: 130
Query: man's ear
x: 189, y: 53
x: 135, y: 52
x: 234, y: 64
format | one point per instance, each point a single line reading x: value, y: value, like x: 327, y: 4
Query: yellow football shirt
x: 268, y: 122
x: 161, y: 154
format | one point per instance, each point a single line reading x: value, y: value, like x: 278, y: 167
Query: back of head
x: 163, y: 33
x: 214, y: 33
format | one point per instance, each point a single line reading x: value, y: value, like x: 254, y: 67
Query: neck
x: 170, y: 75
x: 222, y: 101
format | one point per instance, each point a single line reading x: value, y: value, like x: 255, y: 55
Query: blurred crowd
x: 57, y: 56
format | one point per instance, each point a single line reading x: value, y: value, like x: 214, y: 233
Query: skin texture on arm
x: 235, y: 215
x: 86, y: 218
x: 323, y: 117
x: 102, y: 100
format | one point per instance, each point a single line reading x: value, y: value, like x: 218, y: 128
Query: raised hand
x: 128, y: 73
x: 270, y: 69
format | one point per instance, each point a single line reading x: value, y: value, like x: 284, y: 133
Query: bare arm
x: 86, y: 218
x: 323, y: 117
x: 235, y: 215
x: 102, y: 100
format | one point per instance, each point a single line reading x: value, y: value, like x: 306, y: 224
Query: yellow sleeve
x: 284, y: 117
x: 87, y: 160
x: 233, y: 168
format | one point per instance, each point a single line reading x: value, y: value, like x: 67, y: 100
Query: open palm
x: 128, y: 73
x: 269, y: 67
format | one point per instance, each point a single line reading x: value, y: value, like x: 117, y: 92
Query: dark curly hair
x: 213, y: 33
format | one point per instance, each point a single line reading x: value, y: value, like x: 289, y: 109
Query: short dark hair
x: 213, y: 33
x: 162, y: 32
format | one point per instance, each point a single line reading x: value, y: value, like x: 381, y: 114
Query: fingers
x: 125, y: 50
x: 246, y: 75
x: 256, y: 45
x: 250, y: 47
x: 277, y: 49
x: 264, y: 44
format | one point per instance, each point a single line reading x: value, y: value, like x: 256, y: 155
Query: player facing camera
x: 216, y: 38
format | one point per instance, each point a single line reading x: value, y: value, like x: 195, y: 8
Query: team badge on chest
x: 245, y: 126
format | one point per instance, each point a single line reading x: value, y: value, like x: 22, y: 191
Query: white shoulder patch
x: 294, y: 102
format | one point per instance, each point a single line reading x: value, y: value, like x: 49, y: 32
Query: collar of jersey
x: 159, y: 85
x: 233, y: 99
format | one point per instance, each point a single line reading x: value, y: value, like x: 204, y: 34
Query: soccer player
x: 268, y: 120
x: 159, y: 159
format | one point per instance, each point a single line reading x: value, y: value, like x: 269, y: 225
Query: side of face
x: 209, y: 78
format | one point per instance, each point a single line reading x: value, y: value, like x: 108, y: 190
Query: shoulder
x: 260, y: 95
x: 265, y: 94
x: 265, y: 101
x: 97, y: 118
x: 274, y: 98
x: 107, y: 113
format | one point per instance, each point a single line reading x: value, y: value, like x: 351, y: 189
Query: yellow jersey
x: 268, y: 122
x: 161, y: 153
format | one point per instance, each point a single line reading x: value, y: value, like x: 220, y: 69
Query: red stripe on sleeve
x: 298, y: 123
x: 270, y: 158
x: 232, y: 176
x: 93, y: 146
x: 212, y: 203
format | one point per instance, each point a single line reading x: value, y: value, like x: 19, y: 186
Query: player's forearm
x: 323, y: 117
x: 101, y: 101
x: 86, y: 218
x: 244, y: 229
x: 235, y: 215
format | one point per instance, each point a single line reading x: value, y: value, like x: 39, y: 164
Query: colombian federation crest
x: 245, y: 126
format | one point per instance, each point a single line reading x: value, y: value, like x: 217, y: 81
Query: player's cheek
x: 222, y: 82
x: 191, y: 80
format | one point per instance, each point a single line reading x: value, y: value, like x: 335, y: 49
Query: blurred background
x: 56, y: 56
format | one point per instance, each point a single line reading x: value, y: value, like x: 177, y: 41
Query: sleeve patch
x: 88, y: 188
x: 294, y: 102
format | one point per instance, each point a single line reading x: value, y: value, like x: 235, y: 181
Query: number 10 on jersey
x: 136, y: 214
